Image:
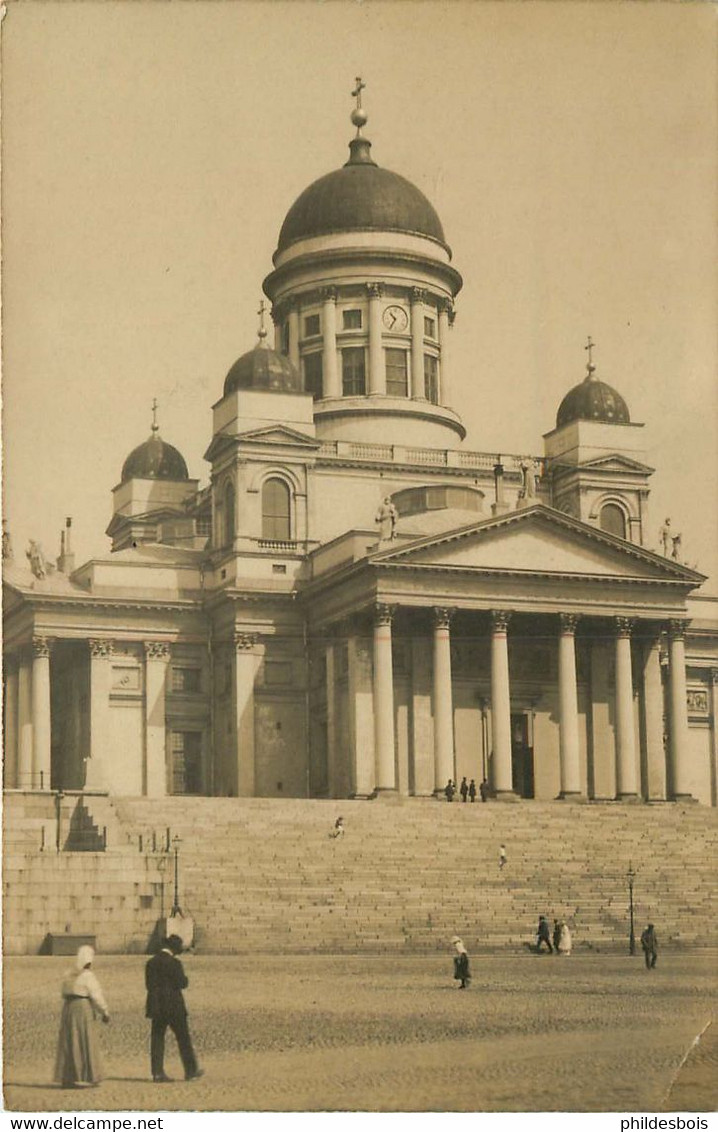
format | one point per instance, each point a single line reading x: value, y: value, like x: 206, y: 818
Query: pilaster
x: 330, y: 367
x: 96, y: 776
x: 246, y: 663
x: 417, y: 298
x: 377, y: 366
x: 445, y: 391
x: 502, y: 771
x: 652, y: 710
x: 678, y: 740
x: 384, y: 743
x: 157, y: 656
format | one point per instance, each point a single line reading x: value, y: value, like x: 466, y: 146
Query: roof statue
x: 7, y: 550
x: 386, y: 517
x: 36, y: 558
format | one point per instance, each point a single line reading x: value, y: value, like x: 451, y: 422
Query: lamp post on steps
x: 632, y: 935
x: 176, y: 842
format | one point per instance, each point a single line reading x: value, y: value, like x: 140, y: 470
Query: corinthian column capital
x: 569, y: 622
x: 157, y: 650
x: 442, y: 617
x: 623, y: 626
x: 500, y: 620
x: 41, y: 646
x: 101, y: 648
x: 383, y: 614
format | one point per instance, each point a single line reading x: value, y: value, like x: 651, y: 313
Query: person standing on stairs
x: 503, y: 858
x: 472, y: 790
x: 543, y: 935
x: 449, y: 791
x: 464, y: 789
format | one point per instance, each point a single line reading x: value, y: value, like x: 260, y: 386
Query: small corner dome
x: 593, y: 400
x: 155, y: 460
x: 262, y: 368
x: 358, y: 197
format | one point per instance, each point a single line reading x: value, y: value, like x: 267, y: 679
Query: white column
x: 418, y: 295
x: 358, y: 660
x: 100, y: 672
x: 445, y: 392
x: 11, y: 724
x: 680, y: 759
x: 294, y: 332
x: 568, y: 708
x: 277, y: 320
x: 157, y: 656
x: 653, y: 720
x: 626, y: 776
x: 332, y: 752
x: 24, y: 723
x: 383, y: 700
x: 442, y: 701
x: 41, y: 742
x: 245, y: 671
x: 377, y: 364
x: 502, y: 773
x: 330, y: 369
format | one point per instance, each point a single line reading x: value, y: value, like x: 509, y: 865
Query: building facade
x: 357, y: 604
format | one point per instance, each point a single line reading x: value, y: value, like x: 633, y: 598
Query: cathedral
x: 357, y: 605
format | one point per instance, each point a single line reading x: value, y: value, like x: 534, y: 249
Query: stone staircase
x: 115, y: 894
x: 261, y: 873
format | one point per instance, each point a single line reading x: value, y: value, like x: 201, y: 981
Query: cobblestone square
x: 310, y: 1033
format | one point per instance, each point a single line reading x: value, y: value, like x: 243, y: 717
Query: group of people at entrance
x: 78, y: 1063
x: 467, y: 790
x: 558, y: 941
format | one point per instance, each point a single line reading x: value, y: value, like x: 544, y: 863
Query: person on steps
x: 165, y: 980
x: 543, y: 935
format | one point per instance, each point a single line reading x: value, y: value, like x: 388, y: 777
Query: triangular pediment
x: 538, y: 541
x: 278, y: 434
x: 616, y: 463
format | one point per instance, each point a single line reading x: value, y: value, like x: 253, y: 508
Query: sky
x: 152, y: 150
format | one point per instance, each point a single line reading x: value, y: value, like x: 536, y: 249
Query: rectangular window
x: 186, y: 680
x: 431, y: 378
x: 397, y: 373
x: 313, y: 374
x: 352, y: 320
x: 311, y: 325
x: 353, y: 371
x: 429, y: 328
x: 186, y: 762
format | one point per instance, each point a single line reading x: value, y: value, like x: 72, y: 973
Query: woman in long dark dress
x: 461, y: 963
x: 78, y: 1062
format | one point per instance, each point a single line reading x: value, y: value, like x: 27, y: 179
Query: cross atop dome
x: 155, y: 426
x: 359, y: 117
x: 262, y: 329
x: 590, y: 368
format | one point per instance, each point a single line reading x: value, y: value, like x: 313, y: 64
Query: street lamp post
x: 632, y: 935
x: 176, y: 910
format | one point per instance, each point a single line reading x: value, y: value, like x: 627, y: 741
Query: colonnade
x: 627, y: 775
x: 28, y: 716
x: 419, y: 305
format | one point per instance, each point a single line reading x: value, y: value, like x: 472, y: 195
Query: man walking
x: 165, y: 980
x: 649, y: 943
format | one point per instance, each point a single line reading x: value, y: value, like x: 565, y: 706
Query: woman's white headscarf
x: 458, y: 944
x: 85, y: 955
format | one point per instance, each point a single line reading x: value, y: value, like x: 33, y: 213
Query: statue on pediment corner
x: 386, y: 517
x: 36, y: 558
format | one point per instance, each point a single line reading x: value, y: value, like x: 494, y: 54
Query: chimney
x: 500, y: 506
x: 66, y: 561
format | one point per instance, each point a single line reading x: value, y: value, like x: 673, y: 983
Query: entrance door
x: 186, y: 762
x: 522, y: 756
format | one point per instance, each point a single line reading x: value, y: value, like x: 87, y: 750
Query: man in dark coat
x: 543, y: 934
x: 165, y: 980
x: 649, y: 943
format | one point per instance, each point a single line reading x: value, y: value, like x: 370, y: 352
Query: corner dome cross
x: 155, y: 426
x: 359, y: 117
x: 590, y: 345
x: 262, y: 330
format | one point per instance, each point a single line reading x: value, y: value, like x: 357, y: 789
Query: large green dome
x: 360, y: 197
x: 154, y: 460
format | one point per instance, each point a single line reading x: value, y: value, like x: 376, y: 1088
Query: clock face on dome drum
x: 396, y: 319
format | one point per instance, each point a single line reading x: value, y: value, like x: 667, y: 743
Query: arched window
x: 613, y: 520
x: 229, y: 515
x: 276, y: 510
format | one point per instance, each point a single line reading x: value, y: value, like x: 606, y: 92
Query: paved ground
x: 532, y: 1033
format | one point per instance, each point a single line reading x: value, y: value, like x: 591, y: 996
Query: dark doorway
x: 522, y: 756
